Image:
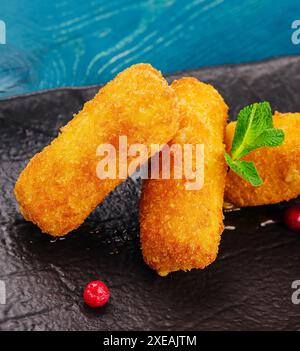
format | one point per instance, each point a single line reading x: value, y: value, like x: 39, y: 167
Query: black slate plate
x: 248, y: 287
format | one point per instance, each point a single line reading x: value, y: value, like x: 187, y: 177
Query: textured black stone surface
x: 248, y: 287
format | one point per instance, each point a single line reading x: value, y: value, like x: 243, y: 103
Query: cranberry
x: 292, y: 217
x: 96, y: 294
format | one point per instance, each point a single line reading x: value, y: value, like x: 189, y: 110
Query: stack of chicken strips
x: 180, y: 229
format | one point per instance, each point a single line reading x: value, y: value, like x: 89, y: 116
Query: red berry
x: 292, y: 217
x: 96, y: 294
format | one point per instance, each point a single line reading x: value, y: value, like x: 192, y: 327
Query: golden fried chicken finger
x: 279, y: 167
x: 180, y: 229
x: 59, y: 187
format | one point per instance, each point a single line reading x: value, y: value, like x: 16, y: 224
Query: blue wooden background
x: 77, y: 42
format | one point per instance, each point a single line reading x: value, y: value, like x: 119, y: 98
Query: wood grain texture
x: 247, y: 288
x: 66, y: 43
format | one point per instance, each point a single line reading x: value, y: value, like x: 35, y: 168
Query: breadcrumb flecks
x: 181, y: 229
x: 59, y: 187
x: 279, y: 167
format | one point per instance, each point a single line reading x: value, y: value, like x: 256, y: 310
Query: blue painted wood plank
x: 64, y: 43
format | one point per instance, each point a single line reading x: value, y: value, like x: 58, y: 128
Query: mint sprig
x: 254, y: 129
x: 245, y: 170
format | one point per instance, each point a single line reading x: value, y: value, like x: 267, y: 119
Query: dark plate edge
x: 94, y: 86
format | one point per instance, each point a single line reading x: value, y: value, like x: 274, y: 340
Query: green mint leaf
x: 269, y: 137
x: 245, y: 170
x: 254, y: 129
x: 252, y: 121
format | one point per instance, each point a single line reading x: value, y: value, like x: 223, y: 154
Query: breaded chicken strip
x: 180, y: 229
x: 59, y: 187
x: 279, y: 167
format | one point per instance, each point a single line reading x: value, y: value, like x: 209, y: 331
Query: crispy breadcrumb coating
x: 279, y: 167
x: 181, y: 229
x: 59, y: 187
